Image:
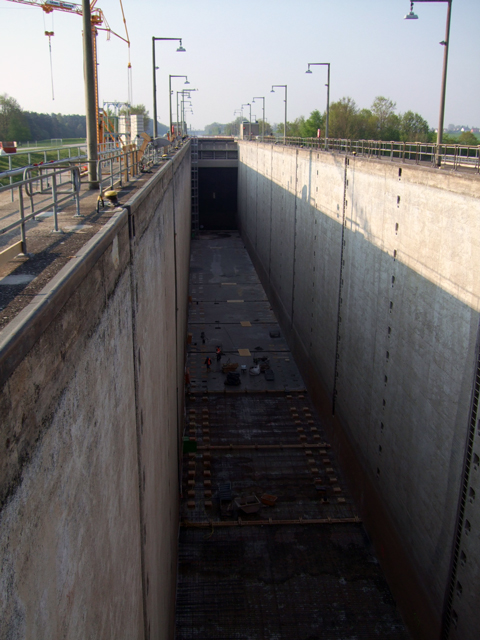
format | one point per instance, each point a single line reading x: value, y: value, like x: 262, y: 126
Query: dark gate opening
x: 217, y: 198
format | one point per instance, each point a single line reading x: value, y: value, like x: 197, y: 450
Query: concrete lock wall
x: 373, y: 267
x: 91, y: 402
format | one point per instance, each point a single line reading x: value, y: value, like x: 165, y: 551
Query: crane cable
x: 129, y: 67
x: 50, y: 34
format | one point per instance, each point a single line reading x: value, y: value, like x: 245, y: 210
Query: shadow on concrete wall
x: 397, y: 355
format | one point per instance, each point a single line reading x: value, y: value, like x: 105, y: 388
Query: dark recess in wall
x: 217, y: 198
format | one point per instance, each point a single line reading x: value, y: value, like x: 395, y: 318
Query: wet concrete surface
x: 303, y: 568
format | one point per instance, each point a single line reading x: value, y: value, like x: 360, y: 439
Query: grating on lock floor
x: 303, y: 568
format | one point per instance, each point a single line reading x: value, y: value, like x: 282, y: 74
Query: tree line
x: 22, y: 126
x: 346, y: 120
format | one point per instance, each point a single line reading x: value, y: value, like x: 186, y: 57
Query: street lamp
x: 263, y: 117
x: 184, y: 103
x: 185, y: 93
x: 170, y: 95
x: 412, y: 16
x: 180, y: 49
x: 285, y: 123
x: 327, y: 64
x: 238, y: 111
x: 250, y: 120
x: 186, y: 111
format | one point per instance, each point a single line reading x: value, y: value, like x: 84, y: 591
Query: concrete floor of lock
x: 303, y: 568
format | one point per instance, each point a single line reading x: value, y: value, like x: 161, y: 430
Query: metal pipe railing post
x: 11, y: 178
x: 22, y: 220
x: 55, y: 209
x: 76, y: 184
x: 99, y: 175
x: 30, y: 192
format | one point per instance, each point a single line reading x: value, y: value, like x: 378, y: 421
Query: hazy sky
x: 237, y: 50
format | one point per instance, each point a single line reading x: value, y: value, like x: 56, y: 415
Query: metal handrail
x: 41, y: 156
x: 114, y: 167
x: 457, y: 155
x: 29, y: 186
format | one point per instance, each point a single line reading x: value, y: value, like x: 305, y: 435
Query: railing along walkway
x: 454, y: 156
x: 47, y: 187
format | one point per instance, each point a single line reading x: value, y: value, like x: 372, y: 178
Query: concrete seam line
x: 21, y: 334
x: 137, y: 425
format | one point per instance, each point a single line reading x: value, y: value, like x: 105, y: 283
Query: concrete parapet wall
x: 91, y: 403
x: 374, y: 268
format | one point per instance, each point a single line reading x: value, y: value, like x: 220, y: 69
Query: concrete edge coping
x: 20, y: 335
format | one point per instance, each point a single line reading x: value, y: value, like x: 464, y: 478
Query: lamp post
x: 240, y: 111
x: 412, y: 16
x: 263, y: 117
x: 250, y: 119
x: 185, y: 122
x: 183, y: 103
x: 185, y: 93
x: 170, y: 95
x: 180, y: 49
x: 327, y: 64
x: 285, y: 124
x: 241, y: 124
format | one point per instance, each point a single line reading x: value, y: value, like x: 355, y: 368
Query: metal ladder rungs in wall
x: 194, y: 188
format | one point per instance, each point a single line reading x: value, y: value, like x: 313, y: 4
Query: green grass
x: 42, y: 144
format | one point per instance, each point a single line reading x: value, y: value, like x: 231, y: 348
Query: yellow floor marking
x: 244, y: 352
x: 246, y: 323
